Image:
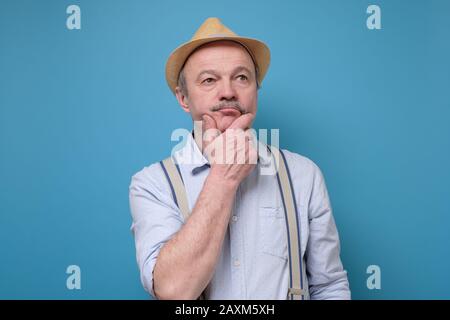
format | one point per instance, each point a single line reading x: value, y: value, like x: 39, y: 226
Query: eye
x: 242, y: 77
x: 208, y: 80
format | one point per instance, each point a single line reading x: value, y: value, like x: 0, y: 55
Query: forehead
x: 219, y: 54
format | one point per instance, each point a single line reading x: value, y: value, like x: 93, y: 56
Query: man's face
x: 221, y: 81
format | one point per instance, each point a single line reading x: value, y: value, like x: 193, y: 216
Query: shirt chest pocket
x: 272, y: 228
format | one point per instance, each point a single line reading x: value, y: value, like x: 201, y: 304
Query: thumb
x: 208, y: 122
x: 210, y: 132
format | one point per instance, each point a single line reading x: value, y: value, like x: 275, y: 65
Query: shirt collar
x: 190, y: 155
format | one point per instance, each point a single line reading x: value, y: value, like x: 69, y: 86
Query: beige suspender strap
x: 296, y: 286
x: 177, y: 186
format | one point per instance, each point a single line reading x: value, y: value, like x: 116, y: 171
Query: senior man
x: 239, y: 233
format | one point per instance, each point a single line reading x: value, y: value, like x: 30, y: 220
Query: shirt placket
x: 237, y: 249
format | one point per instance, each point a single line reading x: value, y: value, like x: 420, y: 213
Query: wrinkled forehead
x: 220, y: 50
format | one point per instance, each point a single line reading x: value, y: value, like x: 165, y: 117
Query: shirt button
x: 237, y: 263
x: 234, y: 218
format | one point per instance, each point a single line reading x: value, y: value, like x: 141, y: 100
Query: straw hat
x: 213, y: 30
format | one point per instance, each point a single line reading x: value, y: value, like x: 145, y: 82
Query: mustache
x: 229, y: 104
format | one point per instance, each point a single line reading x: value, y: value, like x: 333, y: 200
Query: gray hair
x: 183, y: 86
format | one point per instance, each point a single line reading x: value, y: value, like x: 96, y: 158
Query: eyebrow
x: 214, y: 72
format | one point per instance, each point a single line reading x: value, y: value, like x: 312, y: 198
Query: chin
x: 225, y: 123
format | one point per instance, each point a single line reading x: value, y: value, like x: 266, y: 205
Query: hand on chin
x: 225, y: 117
x: 223, y: 122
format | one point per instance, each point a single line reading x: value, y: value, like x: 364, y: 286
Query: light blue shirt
x: 253, y: 262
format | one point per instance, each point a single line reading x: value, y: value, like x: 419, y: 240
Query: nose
x: 227, y: 91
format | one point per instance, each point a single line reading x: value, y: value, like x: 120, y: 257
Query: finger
x: 251, y: 134
x: 243, y: 122
x: 251, y: 145
x: 253, y: 156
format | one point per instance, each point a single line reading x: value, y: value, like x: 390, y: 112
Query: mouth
x: 230, y: 111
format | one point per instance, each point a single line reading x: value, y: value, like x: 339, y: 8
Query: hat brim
x: 258, y: 50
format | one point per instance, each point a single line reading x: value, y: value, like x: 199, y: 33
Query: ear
x: 182, y: 100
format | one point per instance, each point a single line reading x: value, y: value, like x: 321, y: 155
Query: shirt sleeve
x: 155, y: 219
x: 326, y: 275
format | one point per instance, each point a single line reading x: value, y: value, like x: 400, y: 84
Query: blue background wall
x: 83, y: 110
